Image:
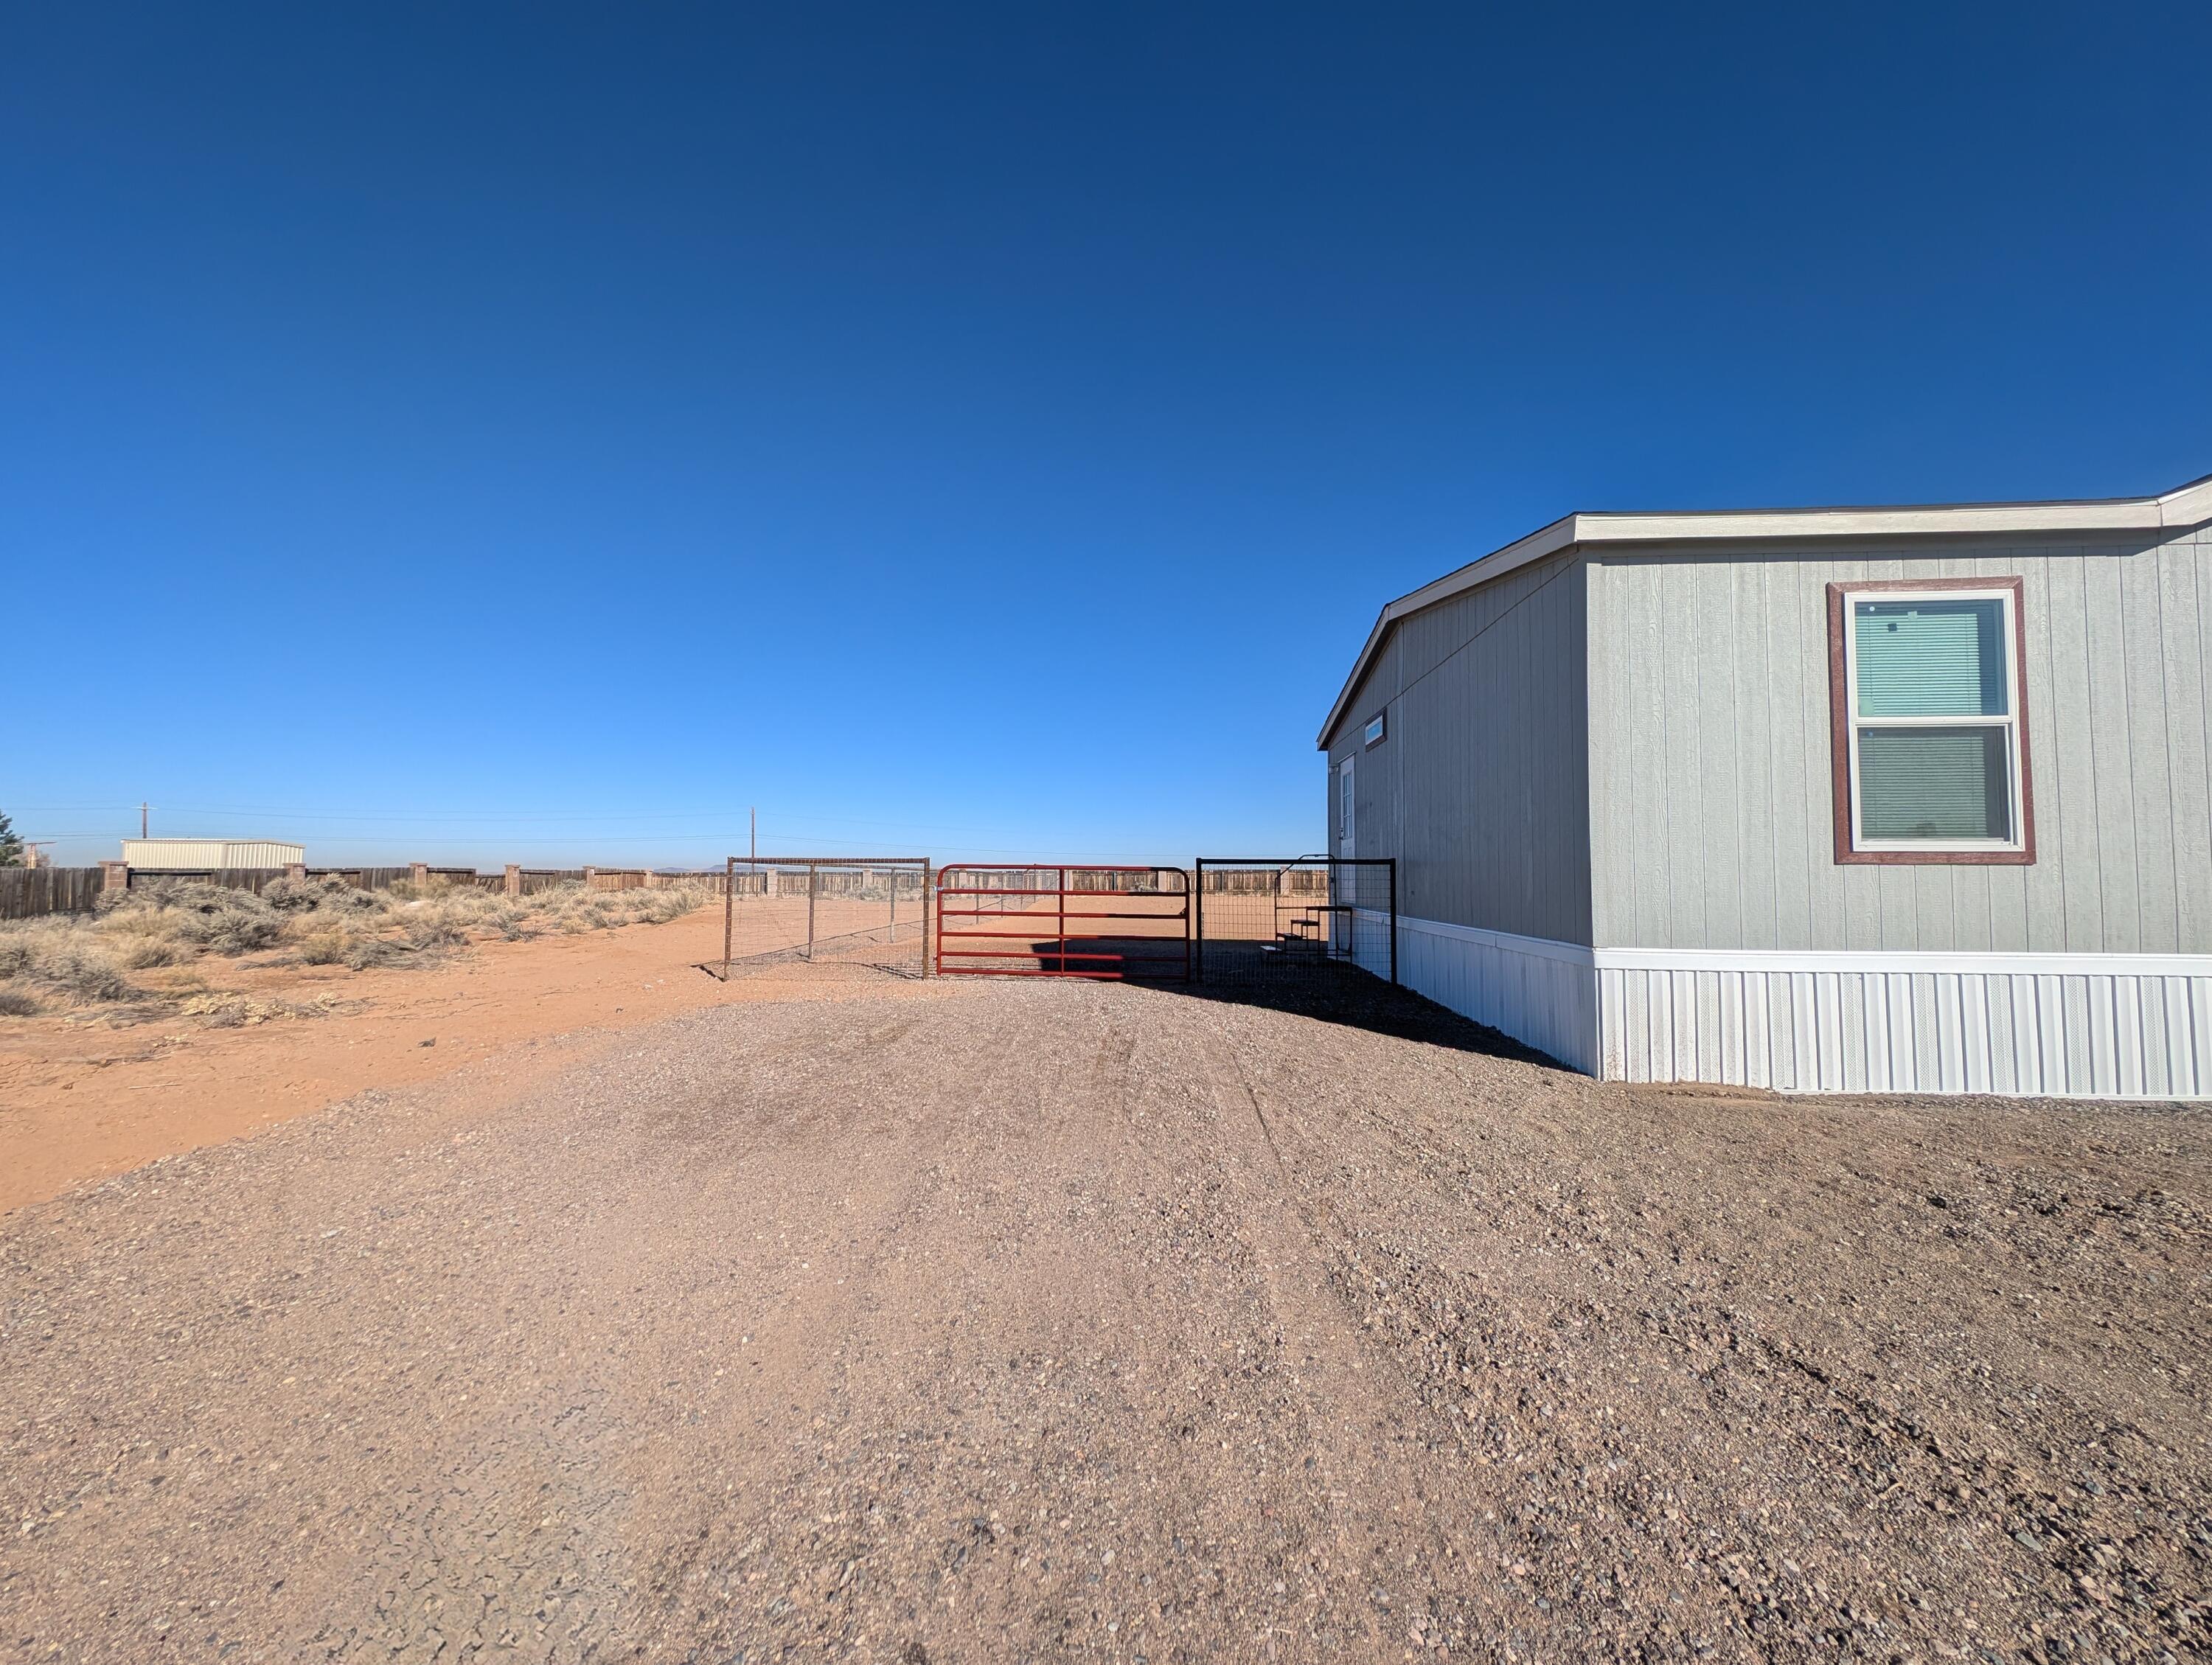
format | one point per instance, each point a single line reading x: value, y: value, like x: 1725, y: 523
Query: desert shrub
x: 14, y: 1003
x: 288, y: 895
x: 323, y: 921
x: 479, y: 907
x: 64, y: 956
x: 73, y: 971
x: 512, y: 920
x: 325, y: 948
x: 142, y: 918
x: 227, y: 922
x: 148, y: 952
x: 351, y: 947
x: 433, y: 889
x: 205, y: 916
x: 434, y: 928
x: 325, y: 894
x: 573, y: 910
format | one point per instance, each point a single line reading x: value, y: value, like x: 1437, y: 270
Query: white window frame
x: 1347, y: 844
x: 1377, y: 730
x: 2013, y: 722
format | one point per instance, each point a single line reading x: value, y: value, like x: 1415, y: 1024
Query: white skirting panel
x: 2059, y: 1026
x: 2087, y: 1025
x: 1542, y: 994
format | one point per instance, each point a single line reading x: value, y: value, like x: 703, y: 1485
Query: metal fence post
x: 1198, y: 917
x: 1188, y: 881
x: 729, y: 912
x: 813, y: 878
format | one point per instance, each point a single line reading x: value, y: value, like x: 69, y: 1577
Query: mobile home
x: 1854, y: 799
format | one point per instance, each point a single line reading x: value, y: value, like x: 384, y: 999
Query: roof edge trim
x: 2184, y: 506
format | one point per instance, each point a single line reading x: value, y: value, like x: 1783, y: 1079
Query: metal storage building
x: 203, y: 855
x: 1831, y: 800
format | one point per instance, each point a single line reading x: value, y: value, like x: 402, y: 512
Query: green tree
x: 11, y: 845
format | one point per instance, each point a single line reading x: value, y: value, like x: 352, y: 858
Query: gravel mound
x: 1056, y: 1321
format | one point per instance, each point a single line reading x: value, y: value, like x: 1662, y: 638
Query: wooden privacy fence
x: 534, y: 880
x: 256, y: 879
x: 363, y: 878
x: 31, y: 892
x: 28, y: 892
x: 653, y: 879
x: 1288, y: 881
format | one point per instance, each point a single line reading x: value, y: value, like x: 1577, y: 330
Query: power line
x: 472, y: 817
x: 714, y: 839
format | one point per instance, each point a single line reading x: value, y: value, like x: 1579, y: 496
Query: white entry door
x: 1346, y: 841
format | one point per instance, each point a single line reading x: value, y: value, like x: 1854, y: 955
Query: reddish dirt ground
x: 83, y: 1100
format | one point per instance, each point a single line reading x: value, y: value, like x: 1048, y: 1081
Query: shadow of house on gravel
x: 1332, y: 992
x: 1359, y: 1000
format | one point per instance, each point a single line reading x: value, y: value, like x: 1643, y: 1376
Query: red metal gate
x: 1000, y: 922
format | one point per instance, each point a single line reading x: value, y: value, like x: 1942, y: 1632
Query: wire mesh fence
x: 1035, y: 922
x: 1295, y: 918
x: 852, y: 911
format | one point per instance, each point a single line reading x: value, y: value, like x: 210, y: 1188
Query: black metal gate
x: 1267, y: 918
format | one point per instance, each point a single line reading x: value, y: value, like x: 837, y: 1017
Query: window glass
x: 1931, y: 657
x: 1931, y: 782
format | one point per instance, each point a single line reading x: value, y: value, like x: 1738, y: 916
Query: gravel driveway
x: 1020, y: 1322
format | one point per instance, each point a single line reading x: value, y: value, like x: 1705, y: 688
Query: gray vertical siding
x: 1481, y: 788
x: 1708, y: 754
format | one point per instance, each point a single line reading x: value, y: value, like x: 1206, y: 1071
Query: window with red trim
x: 1930, y: 720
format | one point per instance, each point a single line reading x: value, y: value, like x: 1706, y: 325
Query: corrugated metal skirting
x: 2077, y: 1026
x: 2077, y: 1033
x: 1542, y: 994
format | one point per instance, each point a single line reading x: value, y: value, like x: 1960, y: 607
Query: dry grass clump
x: 331, y: 923
x: 328, y: 922
x: 438, y: 915
x: 571, y: 910
x: 323, y: 921
x: 60, y: 956
x: 356, y: 950
x: 189, y: 915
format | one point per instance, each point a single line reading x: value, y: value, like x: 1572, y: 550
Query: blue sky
x: 476, y: 434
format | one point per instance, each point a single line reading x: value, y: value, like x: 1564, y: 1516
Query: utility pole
x: 752, y: 833
x: 142, y: 813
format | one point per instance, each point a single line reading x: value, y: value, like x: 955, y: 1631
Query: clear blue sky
x: 477, y: 433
